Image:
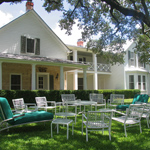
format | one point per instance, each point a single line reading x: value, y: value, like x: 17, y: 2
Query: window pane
x: 131, y: 82
x: 30, y: 45
x: 15, y: 82
x: 144, y: 83
x: 139, y: 82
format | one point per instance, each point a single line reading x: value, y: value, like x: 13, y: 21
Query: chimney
x: 80, y: 43
x: 29, y: 5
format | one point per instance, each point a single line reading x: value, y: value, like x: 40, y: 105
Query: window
x: 131, y: 58
x: 80, y: 83
x: 41, y: 82
x: 30, y: 45
x: 144, y: 83
x: 71, y: 57
x: 15, y: 82
x: 82, y: 59
x: 139, y: 82
x: 131, y: 81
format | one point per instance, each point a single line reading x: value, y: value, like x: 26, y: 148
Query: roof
x: 37, y: 59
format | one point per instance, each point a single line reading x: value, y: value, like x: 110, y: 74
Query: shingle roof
x: 37, y: 59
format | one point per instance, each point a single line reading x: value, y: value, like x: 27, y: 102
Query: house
x: 100, y: 75
x: 33, y: 57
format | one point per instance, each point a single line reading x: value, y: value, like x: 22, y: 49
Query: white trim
x: 46, y: 74
x: 20, y: 79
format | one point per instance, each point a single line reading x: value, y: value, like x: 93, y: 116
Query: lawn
x: 38, y: 137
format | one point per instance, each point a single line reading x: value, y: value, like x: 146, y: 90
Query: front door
x: 43, y: 81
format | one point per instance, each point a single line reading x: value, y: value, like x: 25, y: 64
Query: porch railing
x: 100, y: 67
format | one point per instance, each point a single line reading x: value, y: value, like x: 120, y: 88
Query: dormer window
x: 30, y: 45
x: 131, y: 58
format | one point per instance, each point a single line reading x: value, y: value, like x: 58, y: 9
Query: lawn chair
x: 21, y: 107
x: 70, y: 99
x: 97, y: 120
x: 99, y: 99
x: 115, y: 99
x: 42, y: 103
x: 138, y: 98
x: 132, y: 117
x: 8, y: 120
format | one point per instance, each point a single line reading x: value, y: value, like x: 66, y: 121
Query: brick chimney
x: 80, y: 43
x: 29, y: 5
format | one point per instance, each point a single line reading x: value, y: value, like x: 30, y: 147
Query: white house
x: 131, y: 75
x: 33, y: 57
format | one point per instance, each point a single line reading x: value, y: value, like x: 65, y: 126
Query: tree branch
x: 128, y: 11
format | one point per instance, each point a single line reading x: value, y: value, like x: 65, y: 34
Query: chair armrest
x: 52, y: 102
x: 120, y: 112
x: 83, y: 116
x: 30, y: 104
x: 13, y: 118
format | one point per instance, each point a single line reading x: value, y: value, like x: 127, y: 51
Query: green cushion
x: 122, y: 107
x: 143, y: 98
x: 140, y: 98
x: 6, y: 110
x: 32, y: 117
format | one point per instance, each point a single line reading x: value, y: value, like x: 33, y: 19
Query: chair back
x: 99, y: 119
x: 67, y: 97
x: 117, y: 98
x: 135, y: 112
x: 19, y: 104
x: 140, y: 98
x: 96, y: 97
x: 5, y: 110
x: 41, y: 101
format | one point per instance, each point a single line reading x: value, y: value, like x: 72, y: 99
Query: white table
x: 82, y: 102
x: 63, y: 122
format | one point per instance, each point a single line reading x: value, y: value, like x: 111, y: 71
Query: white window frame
x: 40, y: 73
x: 20, y: 79
x: 27, y: 45
x: 132, y: 82
x: 142, y: 82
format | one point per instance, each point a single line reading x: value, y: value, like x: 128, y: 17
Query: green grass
x: 38, y: 137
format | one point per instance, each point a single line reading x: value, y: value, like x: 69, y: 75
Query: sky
x: 9, y: 12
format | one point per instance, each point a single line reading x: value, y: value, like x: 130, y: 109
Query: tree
x: 114, y: 21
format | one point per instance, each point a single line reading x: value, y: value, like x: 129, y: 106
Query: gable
x: 30, y: 25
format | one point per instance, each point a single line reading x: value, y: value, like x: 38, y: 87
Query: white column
x: 75, y: 55
x: 33, y: 77
x: 84, y: 79
x: 75, y: 80
x: 0, y: 75
x: 61, y: 78
x: 75, y: 72
x: 95, y: 77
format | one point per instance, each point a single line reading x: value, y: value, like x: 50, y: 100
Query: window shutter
x: 23, y: 44
x: 129, y: 56
x: 37, y: 48
x: 51, y: 84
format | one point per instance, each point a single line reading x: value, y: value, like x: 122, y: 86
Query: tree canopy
x: 113, y: 21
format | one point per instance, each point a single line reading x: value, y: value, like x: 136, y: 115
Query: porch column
x: 75, y: 72
x: 95, y: 77
x: 0, y: 75
x: 75, y: 80
x: 61, y: 78
x: 84, y: 79
x: 33, y: 86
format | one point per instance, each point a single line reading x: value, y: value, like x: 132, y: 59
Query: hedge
x: 55, y: 95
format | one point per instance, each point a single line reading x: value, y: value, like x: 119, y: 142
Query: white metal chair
x: 132, y: 117
x: 115, y: 99
x: 146, y: 113
x: 66, y: 98
x: 42, y: 103
x: 21, y: 107
x: 97, y: 120
x: 97, y: 98
x: 62, y: 110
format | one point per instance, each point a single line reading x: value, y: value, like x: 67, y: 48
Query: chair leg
x: 86, y: 134
x: 109, y: 134
x: 140, y: 127
x: 51, y: 131
x: 125, y: 130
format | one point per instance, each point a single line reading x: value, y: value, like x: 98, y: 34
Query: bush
x: 55, y: 95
